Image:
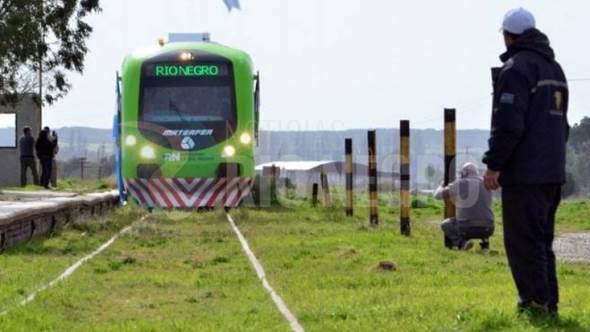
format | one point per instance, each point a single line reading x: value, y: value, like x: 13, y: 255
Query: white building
x: 304, y: 173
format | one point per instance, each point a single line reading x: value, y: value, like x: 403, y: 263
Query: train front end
x: 188, y: 126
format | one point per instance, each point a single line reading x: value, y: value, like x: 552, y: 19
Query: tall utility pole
x: 40, y: 82
x: 40, y: 64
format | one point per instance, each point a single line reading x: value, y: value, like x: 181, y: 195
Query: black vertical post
x: 450, y: 160
x: 325, y: 187
x: 314, y: 195
x: 273, y: 185
x: 349, y: 176
x: 405, y: 177
x: 373, y: 184
x: 82, y: 168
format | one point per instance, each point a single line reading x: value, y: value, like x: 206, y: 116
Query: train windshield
x: 175, y: 106
x: 200, y: 105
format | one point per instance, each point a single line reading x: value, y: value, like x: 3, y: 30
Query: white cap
x: 518, y: 20
x: 469, y: 170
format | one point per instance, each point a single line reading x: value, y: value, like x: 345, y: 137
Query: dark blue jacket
x: 529, y: 120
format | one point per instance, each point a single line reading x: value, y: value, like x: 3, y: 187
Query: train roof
x: 236, y: 55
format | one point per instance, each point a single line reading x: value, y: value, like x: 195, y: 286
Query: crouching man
x: 474, y: 217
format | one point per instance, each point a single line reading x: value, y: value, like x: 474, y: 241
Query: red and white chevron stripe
x: 189, y: 192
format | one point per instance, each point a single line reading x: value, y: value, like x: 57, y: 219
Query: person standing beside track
x: 526, y: 157
x: 45, y: 152
x: 26, y: 146
x: 52, y: 136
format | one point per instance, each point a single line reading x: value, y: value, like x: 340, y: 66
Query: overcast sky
x: 339, y: 64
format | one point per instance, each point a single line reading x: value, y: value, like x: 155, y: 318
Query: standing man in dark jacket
x: 52, y: 136
x: 44, y: 148
x: 26, y: 145
x: 526, y: 157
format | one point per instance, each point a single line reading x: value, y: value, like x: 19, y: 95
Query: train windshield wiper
x: 172, y: 107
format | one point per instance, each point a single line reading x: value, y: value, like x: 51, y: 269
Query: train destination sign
x: 187, y: 70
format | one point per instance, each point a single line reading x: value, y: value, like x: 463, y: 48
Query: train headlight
x: 186, y: 56
x: 228, y: 152
x: 245, y: 138
x: 148, y: 152
x: 131, y: 140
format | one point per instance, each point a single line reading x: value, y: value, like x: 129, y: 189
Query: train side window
x: 8, y: 134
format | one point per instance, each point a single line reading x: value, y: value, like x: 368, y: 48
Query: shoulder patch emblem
x: 558, y: 100
x: 507, y: 98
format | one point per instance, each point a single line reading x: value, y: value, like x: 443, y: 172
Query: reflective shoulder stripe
x: 555, y: 83
x: 509, y: 64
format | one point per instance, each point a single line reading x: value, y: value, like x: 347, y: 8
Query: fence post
x: 273, y: 185
x: 349, y: 177
x: 325, y: 187
x: 82, y: 160
x: 264, y: 198
x: 450, y: 163
x: 405, y: 225
x: 314, y: 195
x: 373, y: 184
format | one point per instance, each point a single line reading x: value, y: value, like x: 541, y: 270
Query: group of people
x: 526, y: 158
x: 44, y: 148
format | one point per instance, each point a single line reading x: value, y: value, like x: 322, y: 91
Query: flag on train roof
x: 231, y: 4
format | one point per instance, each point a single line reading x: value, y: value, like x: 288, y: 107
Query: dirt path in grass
x: 573, y: 247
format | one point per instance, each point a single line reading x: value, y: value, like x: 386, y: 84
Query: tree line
x: 578, y: 166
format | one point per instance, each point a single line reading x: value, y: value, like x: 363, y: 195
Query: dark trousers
x: 529, y: 227
x: 46, y: 164
x: 25, y: 164
x: 460, y: 231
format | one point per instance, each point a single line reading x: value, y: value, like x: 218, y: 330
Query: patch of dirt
x: 386, y: 266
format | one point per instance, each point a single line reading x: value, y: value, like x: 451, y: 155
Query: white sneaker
x: 467, y: 245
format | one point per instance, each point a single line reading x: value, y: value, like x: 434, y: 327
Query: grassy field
x: 185, y: 271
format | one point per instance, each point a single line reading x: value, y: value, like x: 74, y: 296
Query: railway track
x: 256, y: 265
x: 73, y: 268
x: 276, y: 298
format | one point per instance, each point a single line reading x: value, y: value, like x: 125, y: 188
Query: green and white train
x: 187, y: 123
